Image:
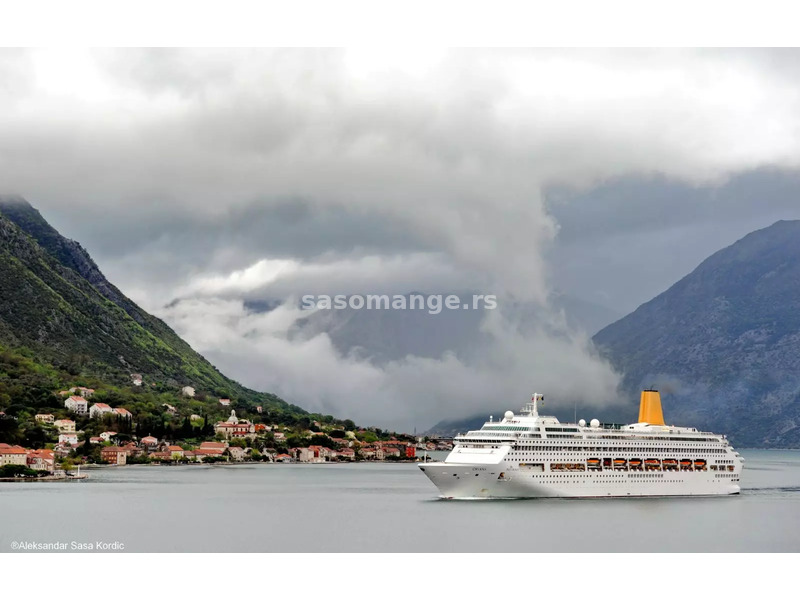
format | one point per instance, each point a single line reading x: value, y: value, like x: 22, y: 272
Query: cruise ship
x: 532, y: 456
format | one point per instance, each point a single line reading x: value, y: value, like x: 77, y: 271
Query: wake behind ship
x: 532, y: 456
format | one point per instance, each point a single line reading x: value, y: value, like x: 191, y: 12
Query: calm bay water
x: 391, y: 508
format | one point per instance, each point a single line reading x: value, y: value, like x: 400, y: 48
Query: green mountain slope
x: 55, y: 301
x: 724, y: 341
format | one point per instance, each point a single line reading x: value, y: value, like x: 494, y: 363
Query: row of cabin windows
x: 619, y: 449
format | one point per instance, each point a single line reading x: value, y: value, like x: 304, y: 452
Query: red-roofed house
x: 304, y: 455
x: 210, y: 449
x: 346, y: 454
x: 235, y: 428
x: 242, y: 429
x: 236, y: 453
x: 79, y: 391
x: 161, y: 455
x: 132, y: 449
x: 65, y: 425
x: 114, y: 455
x: 200, y: 454
x: 62, y: 450
x: 13, y: 455
x: 107, y: 435
x: 77, y: 405
x: 149, y: 442
x: 99, y: 409
x: 68, y: 438
x: 122, y: 412
x: 314, y: 454
x: 41, y: 460
x: 175, y: 451
x: 214, y: 446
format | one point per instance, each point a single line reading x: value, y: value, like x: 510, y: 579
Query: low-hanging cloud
x: 224, y: 176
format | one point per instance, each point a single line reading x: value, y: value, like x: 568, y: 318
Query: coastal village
x: 232, y: 440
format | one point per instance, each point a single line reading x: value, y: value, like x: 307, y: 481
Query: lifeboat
x: 593, y: 463
x: 670, y: 463
x: 620, y: 463
x: 635, y: 463
x: 686, y: 464
x: 652, y: 464
x: 700, y: 463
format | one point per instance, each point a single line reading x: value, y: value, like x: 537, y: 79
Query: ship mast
x: 534, y: 400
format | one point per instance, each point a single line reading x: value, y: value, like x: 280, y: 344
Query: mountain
x: 56, y: 302
x: 723, y: 343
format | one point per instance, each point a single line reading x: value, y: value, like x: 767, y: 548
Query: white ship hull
x: 478, y: 481
x: 534, y: 456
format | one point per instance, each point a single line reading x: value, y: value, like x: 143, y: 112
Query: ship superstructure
x: 531, y: 455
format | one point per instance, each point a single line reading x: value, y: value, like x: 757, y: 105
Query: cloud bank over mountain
x: 204, y: 181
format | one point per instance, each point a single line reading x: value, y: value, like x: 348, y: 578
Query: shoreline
x: 254, y: 462
x: 45, y: 478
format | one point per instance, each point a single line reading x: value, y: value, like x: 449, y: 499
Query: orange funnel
x: 650, y: 408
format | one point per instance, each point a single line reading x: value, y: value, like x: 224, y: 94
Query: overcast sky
x: 197, y: 179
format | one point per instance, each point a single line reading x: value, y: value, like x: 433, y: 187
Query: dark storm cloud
x: 219, y: 176
x: 629, y: 239
x: 287, y: 229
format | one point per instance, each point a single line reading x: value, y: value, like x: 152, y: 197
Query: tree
x: 10, y: 433
x: 325, y: 441
x: 17, y: 471
x: 35, y: 437
x: 186, y: 430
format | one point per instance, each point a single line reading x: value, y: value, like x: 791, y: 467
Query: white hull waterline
x: 533, y: 456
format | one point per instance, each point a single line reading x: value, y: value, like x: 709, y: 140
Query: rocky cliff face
x: 723, y: 343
